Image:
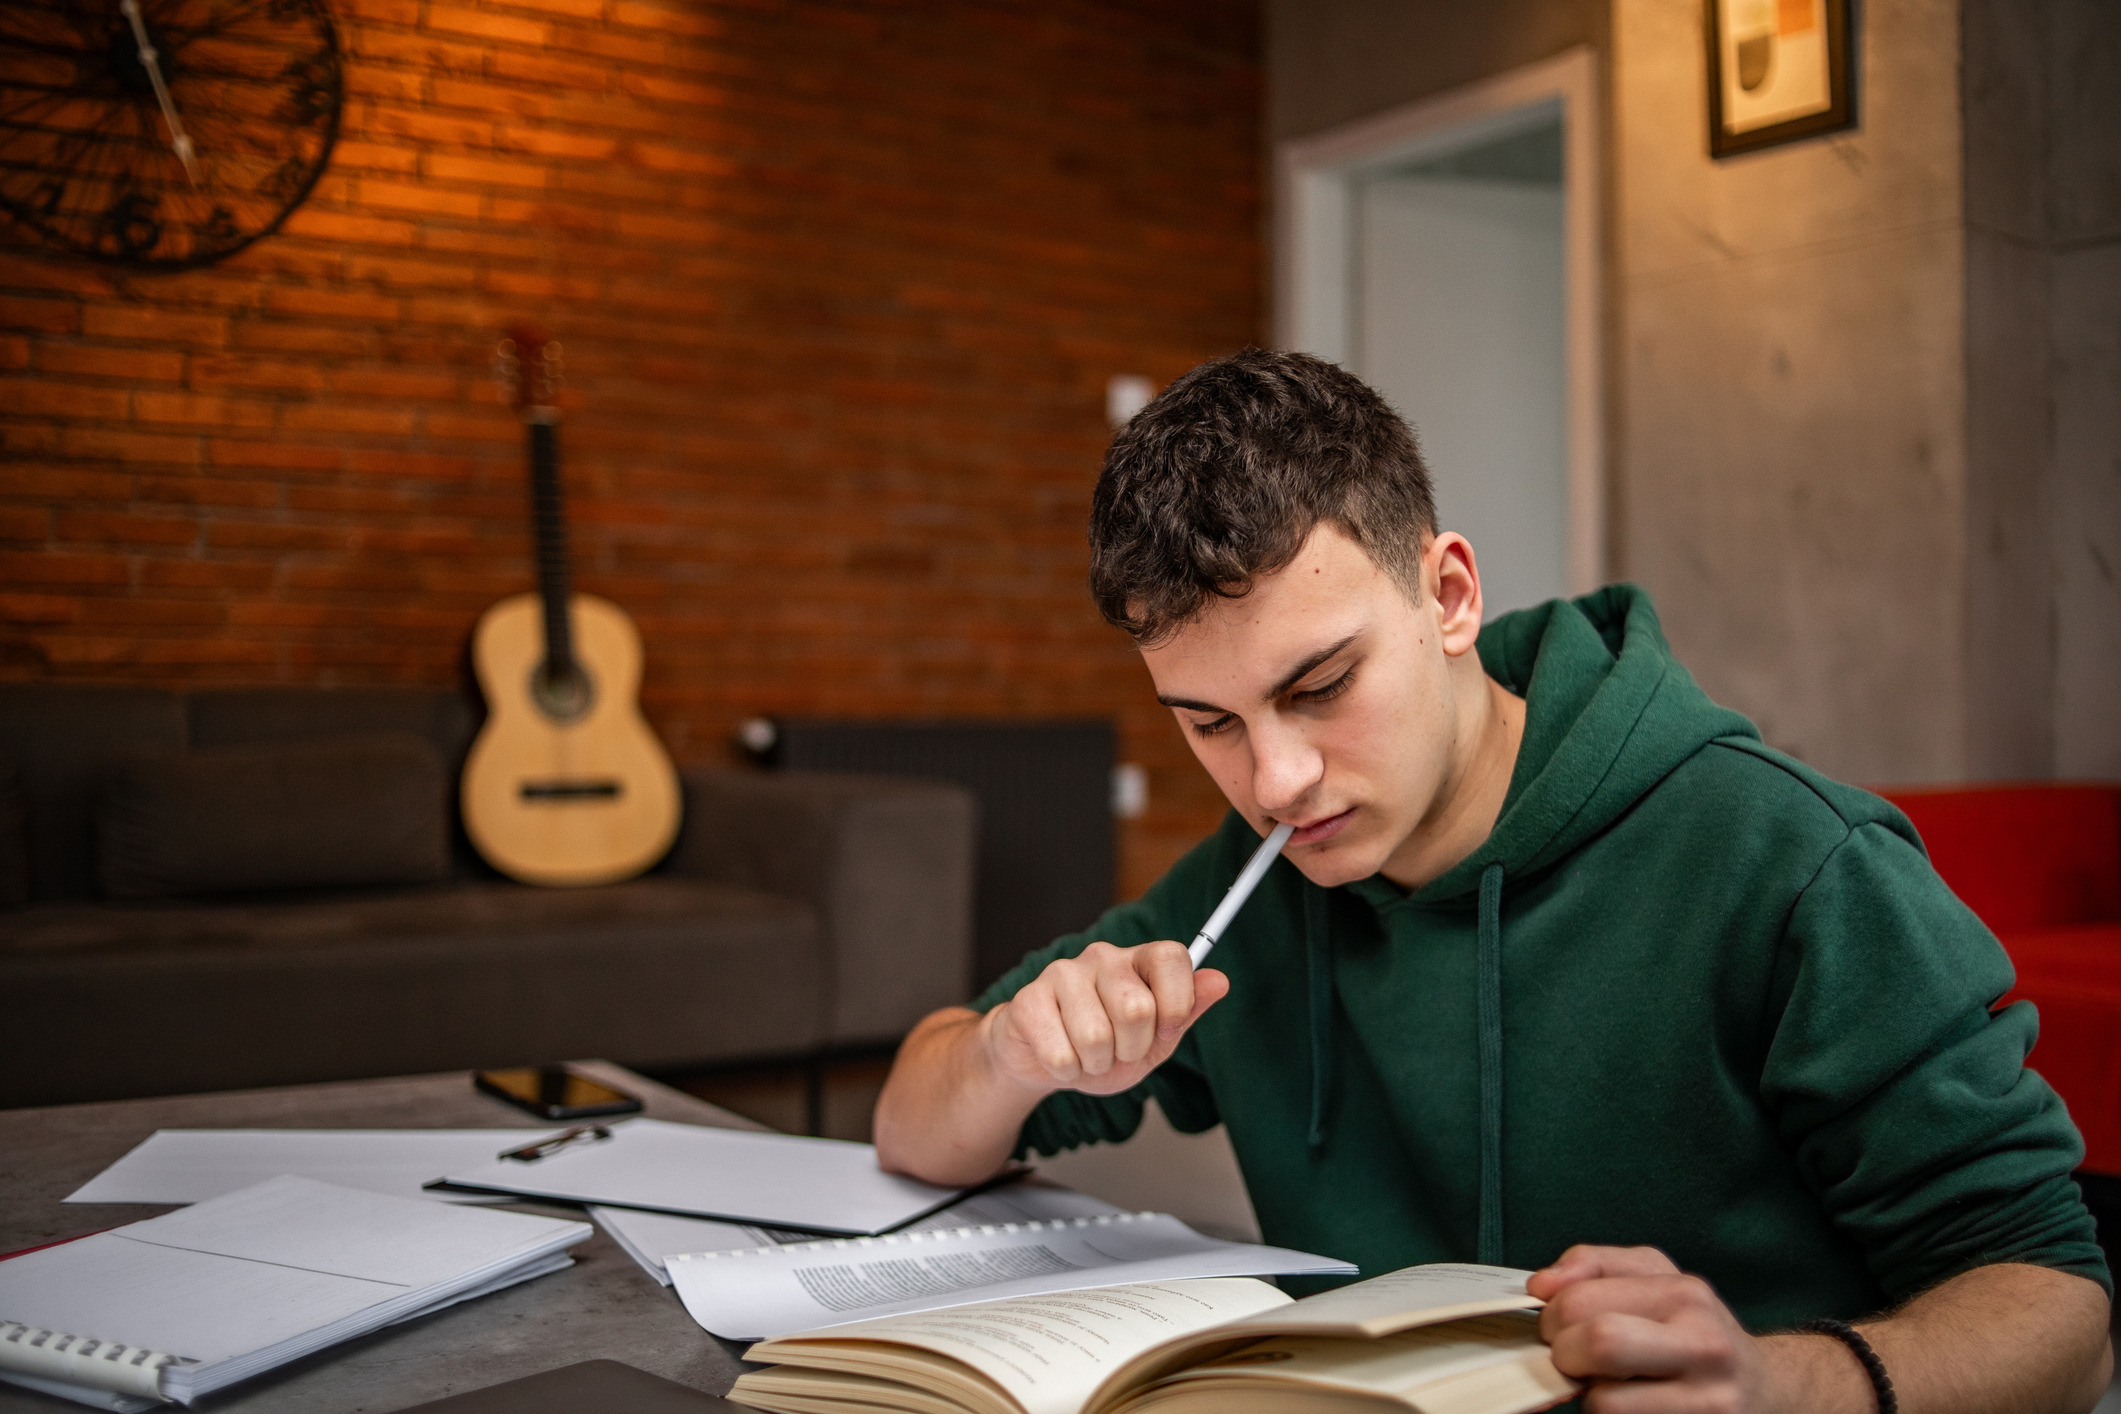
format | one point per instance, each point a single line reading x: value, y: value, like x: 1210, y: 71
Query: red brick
x: 484, y: 170
x: 429, y: 200
x: 287, y: 456
x: 227, y: 371
x: 675, y: 19
x: 146, y: 322
x: 36, y: 398
x: 343, y: 229
x: 248, y: 535
x: 52, y: 567
x: 242, y: 576
x: 39, y: 608
x: 391, y: 383
x: 336, y: 304
x: 97, y: 527
x: 208, y: 491
x: 14, y: 352
x: 130, y: 446
x: 548, y: 72
x: 337, y: 417
x: 498, y: 428
x: 352, y: 156
x: 489, y: 98
x: 133, y: 365
x: 42, y: 314
x: 552, y: 142
x: 487, y: 25
x: 195, y: 410
x: 21, y: 523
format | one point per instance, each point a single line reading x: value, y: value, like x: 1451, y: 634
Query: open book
x: 1442, y: 1339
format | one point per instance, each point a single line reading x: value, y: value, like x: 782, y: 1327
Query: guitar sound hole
x: 561, y: 693
x: 570, y: 790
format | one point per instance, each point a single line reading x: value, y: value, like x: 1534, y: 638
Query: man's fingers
x: 1082, y: 1012
x: 1131, y: 1008
x: 1167, y: 969
x: 1619, y: 1346
x: 1658, y: 1298
x: 1035, y: 1020
x: 1584, y: 1262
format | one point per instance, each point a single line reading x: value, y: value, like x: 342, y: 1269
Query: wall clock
x: 163, y: 134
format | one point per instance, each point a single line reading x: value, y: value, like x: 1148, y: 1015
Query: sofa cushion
x: 106, y: 1001
x: 14, y: 838
x: 351, y: 810
x: 62, y: 739
x: 2073, y: 976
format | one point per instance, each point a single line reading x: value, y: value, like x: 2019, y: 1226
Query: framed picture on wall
x: 1778, y: 70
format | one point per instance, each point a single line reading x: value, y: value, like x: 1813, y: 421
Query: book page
x: 780, y: 1291
x: 188, y: 1165
x: 1050, y: 1352
x: 1392, y: 1365
x: 1412, y: 1296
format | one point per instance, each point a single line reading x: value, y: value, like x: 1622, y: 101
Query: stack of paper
x: 193, y: 1301
x: 191, y: 1165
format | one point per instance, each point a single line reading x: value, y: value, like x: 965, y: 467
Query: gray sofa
x: 797, y: 913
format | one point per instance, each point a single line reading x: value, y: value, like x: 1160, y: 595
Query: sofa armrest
x: 887, y: 863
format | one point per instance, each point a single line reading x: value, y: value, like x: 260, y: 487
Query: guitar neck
x: 549, y: 517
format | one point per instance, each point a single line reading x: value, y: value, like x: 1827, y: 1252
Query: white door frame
x: 1314, y: 249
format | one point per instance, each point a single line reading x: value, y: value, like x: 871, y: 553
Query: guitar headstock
x: 529, y: 369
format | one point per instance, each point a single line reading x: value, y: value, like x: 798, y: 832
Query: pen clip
x: 580, y: 1134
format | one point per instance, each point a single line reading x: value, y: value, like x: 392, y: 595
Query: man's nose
x: 1285, y: 767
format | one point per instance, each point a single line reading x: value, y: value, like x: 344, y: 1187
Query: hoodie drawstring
x: 1318, y: 960
x: 1490, y: 993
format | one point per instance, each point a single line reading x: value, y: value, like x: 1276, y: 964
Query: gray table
x: 603, y: 1306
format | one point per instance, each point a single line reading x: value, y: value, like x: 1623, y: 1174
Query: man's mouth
x: 1320, y: 830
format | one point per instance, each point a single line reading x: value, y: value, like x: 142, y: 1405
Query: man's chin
x: 1335, y: 862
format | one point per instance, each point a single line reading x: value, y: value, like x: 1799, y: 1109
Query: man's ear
x: 1454, y: 580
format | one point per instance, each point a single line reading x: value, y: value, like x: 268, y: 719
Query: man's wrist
x: 1810, y: 1373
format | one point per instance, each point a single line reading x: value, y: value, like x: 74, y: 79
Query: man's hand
x: 1100, y: 1021
x: 1645, y: 1337
x: 963, y: 1083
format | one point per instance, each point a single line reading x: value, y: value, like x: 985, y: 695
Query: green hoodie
x: 1688, y: 994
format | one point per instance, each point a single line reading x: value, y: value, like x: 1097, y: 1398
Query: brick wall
x: 839, y: 284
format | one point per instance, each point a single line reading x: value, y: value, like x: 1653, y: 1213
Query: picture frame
x: 1778, y: 70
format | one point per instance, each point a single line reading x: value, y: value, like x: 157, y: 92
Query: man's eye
x: 1331, y: 690
x: 1214, y: 728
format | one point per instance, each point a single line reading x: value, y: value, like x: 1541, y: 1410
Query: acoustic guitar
x: 566, y: 784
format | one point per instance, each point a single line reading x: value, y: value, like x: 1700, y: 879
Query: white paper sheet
x: 772, y: 1180
x: 765, y: 1292
x: 649, y: 1238
x: 188, y: 1165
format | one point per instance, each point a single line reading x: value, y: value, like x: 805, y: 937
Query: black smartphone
x: 555, y: 1092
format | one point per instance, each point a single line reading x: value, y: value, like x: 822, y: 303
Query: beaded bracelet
x: 1848, y: 1335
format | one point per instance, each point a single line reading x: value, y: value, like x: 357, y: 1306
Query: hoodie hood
x: 1609, y: 714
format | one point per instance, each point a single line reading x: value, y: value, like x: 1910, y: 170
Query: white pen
x: 1247, y: 880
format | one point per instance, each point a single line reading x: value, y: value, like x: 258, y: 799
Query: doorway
x: 1447, y: 253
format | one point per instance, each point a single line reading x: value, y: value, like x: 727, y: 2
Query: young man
x: 1561, y: 969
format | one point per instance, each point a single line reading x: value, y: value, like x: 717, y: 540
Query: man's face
x: 1325, y: 699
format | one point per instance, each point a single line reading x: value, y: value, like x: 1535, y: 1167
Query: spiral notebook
x: 181, y: 1305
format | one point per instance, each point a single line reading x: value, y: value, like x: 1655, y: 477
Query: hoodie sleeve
x: 1904, y: 1097
x: 1068, y: 1119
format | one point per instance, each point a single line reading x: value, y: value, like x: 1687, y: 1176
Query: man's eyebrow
x: 1289, y: 679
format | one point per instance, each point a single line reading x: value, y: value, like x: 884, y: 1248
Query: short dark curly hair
x: 1221, y: 478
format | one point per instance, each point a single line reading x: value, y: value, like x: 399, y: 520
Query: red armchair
x: 2041, y: 865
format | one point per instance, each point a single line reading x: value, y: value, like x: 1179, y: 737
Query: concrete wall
x: 2043, y: 218
x: 1791, y: 469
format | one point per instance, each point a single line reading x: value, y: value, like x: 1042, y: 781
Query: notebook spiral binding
x: 83, y: 1360
x: 838, y: 1244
